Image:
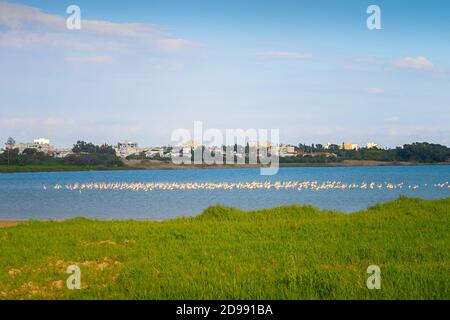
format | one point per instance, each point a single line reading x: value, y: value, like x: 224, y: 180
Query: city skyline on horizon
x: 143, y: 69
x: 280, y: 143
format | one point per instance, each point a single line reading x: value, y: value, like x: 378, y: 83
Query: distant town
x: 126, y: 149
x: 42, y: 155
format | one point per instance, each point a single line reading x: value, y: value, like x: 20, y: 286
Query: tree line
x: 83, y: 154
x: 420, y: 152
x: 89, y: 154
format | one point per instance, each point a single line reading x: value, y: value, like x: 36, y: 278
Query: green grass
x: 281, y: 253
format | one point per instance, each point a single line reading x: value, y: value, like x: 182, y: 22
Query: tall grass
x: 281, y: 253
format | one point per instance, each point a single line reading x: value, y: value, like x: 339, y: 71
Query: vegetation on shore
x: 159, y: 165
x: 87, y: 156
x: 55, y: 168
x: 84, y: 157
x: 418, y: 152
x: 281, y: 253
x: 317, y: 154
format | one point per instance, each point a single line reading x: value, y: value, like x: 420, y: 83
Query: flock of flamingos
x: 255, y: 185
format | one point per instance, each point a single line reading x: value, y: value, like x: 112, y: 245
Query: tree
x: 10, y: 143
x: 29, y: 152
x: 106, y: 149
x: 423, y: 152
x: 84, y: 147
x: 87, y: 153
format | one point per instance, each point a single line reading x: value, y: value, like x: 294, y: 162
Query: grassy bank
x: 52, y: 168
x: 159, y: 165
x: 281, y: 253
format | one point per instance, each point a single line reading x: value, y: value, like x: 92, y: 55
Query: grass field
x: 281, y: 253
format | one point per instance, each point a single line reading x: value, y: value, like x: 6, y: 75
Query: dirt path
x: 6, y: 224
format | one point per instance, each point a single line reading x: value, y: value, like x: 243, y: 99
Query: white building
x: 23, y: 146
x: 40, y: 145
x: 126, y: 148
x: 62, y: 153
x: 373, y: 145
x: 177, y: 152
x: 41, y: 141
x: 153, y: 152
x: 348, y: 146
x: 260, y: 144
x: 217, y: 150
x: 187, y: 151
x: 286, y: 151
x: 43, y: 145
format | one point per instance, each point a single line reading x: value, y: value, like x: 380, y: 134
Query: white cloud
x: 418, y: 63
x: 285, y: 55
x: 25, y: 129
x: 89, y: 59
x: 392, y: 119
x: 21, y: 39
x: 23, y: 26
x: 176, y: 45
x: 319, y: 131
x: 100, y: 45
x: 418, y: 132
x: 17, y: 16
x: 375, y: 90
x: 136, y: 30
x: 64, y: 131
x: 367, y: 60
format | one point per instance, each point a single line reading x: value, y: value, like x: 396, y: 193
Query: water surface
x: 32, y: 195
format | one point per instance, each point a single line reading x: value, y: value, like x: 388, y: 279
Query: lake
x: 163, y: 194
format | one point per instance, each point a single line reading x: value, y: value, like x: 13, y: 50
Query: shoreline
x: 6, y: 223
x: 247, y: 255
x: 138, y: 165
x: 11, y: 223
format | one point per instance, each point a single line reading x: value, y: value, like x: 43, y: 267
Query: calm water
x: 32, y: 195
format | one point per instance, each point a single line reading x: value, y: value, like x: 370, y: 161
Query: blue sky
x: 140, y: 69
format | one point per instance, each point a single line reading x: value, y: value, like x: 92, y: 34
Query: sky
x: 138, y: 70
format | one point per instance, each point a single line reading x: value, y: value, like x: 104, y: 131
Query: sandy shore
x: 9, y: 223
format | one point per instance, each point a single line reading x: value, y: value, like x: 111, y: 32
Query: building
x: 126, y: 148
x: 217, y: 150
x: 40, y: 145
x: 185, y: 152
x: 153, y: 152
x: 41, y: 141
x: 260, y: 144
x: 316, y: 154
x: 43, y: 145
x: 348, y: 146
x: 286, y: 151
x: 10, y: 144
x: 23, y: 146
x: 373, y: 145
x: 62, y: 153
x: 190, y: 144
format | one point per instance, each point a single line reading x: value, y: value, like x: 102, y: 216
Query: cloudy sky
x: 140, y: 69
